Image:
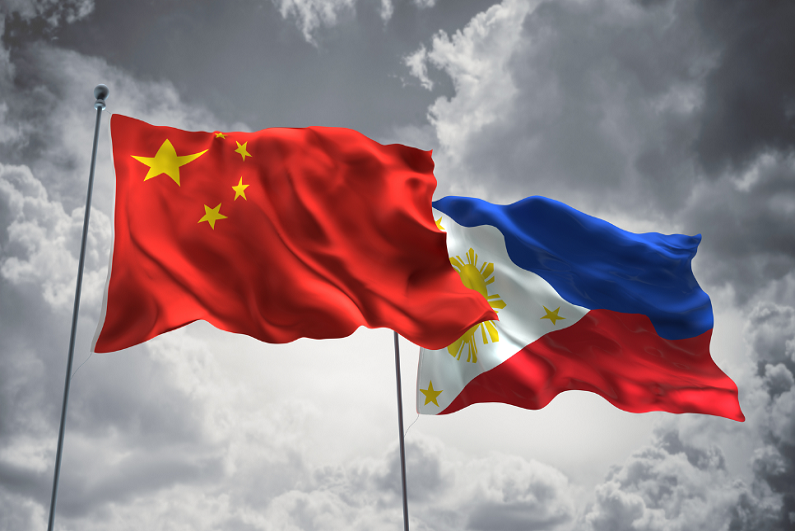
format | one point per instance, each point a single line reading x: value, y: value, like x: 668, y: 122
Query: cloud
x: 477, y: 59
x: 311, y: 15
x: 417, y: 63
x: 446, y: 492
x: 769, y: 328
x: 514, y: 494
x: 41, y: 241
x: 749, y: 105
x: 682, y: 481
x: 620, y: 109
x: 551, y: 98
x: 674, y: 486
x: 7, y: 132
x: 52, y: 11
x: 614, y: 107
x: 744, y: 218
x: 387, y: 8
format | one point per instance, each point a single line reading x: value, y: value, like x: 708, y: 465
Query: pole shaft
x: 400, y: 427
x: 80, y: 266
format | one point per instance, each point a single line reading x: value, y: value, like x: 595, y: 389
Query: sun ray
x: 477, y: 279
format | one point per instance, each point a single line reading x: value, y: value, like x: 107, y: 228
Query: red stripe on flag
x: 617, y: 356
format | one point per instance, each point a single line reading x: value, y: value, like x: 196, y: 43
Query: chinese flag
x: 277, y: 234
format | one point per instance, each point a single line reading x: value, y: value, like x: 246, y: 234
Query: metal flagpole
x: 101, y: 94
x: 400, y: 427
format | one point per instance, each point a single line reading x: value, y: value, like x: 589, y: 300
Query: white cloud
x: 418, y: 66
x: 43, y: 241
x: 387, y: 8
x: 477, y: 59
x: 312, y: 15
x: 446, y: 492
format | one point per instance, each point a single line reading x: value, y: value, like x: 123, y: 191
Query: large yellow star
x: 166, y: 161
x: 552, y: 315
x: 211, y: 215
x: 240, y: 189
x: 242, y: 149
x: 430, y: 394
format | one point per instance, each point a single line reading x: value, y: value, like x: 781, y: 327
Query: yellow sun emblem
x: 477, y: 279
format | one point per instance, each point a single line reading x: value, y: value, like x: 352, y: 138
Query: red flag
x: 277, y: 234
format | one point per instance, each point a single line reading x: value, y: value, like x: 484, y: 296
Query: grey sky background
x: 657, y: 115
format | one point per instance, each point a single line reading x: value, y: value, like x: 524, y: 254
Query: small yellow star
x: 211, y: 215
x: 166, y: 161
x: 552, y: 315
x: 220, y: 135
x: 430, y: 394
x: 242, y: 149
x: 240, y: 189
x: 439, y: 224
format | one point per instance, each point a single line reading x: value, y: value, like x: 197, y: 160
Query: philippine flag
x: 582, y: 305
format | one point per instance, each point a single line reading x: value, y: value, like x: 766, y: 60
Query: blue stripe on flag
x: 594, y: 264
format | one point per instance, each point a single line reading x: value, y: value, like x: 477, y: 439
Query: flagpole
x: 101, y: 94
x: 400, y: 427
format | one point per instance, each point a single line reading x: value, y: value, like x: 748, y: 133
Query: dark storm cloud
x: 251, y: 66
x: 746, y: 223
x: 749, y: 104
x: 771, y: 333
x: 651, y: 3
x: 747, y: 131
x: 49, y: 12
x: 629, y: 108
x: 602, y: 106
x: 673, y: 485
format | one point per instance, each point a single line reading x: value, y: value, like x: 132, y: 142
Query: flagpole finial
x: 101, y: 94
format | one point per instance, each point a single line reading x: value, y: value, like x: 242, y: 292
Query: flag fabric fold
x: 583, y: 305
x: 277, y: 234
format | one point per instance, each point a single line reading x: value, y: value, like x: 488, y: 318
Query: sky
x: 673, y: 116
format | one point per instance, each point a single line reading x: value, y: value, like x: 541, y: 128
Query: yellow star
x: 166, y: 161
x: 242, y: 149
x: 552, y: 315
x: 430, y: 394
x: 240, y: 189
x: 220, y: 135
x: 439, y: 224
x: 211, y: 215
